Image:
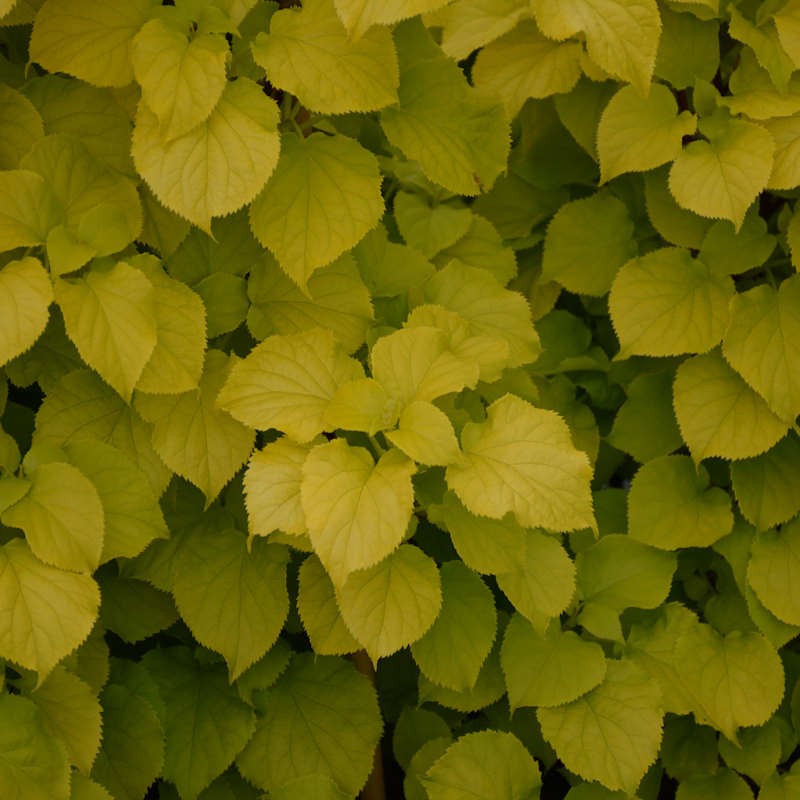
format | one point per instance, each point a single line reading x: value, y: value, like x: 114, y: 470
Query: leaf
x: 688, y: 49
x: 548, y: 670
x: 587, y: 241
x: 25, y: 297
x: 62, y: 517
x: 759, y: 751
x: 428, y: 226
x: 309, y: 53
x: 182, y: 79
x: 359, y: 15
x: 225, y: 299
x: 205, y: 722
x: 321, y: 200
x: 287, y: 382
x: 522, y: 460
x: 780, y: 787
x: 671, y: 505
x: 760, y: 344
x: 219, y: 165
x: 425, y: 434
x: 21, y: 126
x: 459, y: 137
x: 87, y: 40
x: 676, y: 225
x: 313, y: 787
x: 471, y: 24
x: 356, y: 510
x: 772, y: 571
x: 765, y: 43
x: 29, y: 209
x: 110, y: 315
x: 666, y: 303
x: 487, y: 764
x: 234, y: 601
x: 719, y: 414
x: 730, y: 252
x: 720, y: 176
x: 786, y: 167
x: 637, y: 134
x: 321, y: 717
x: 31, y: 634
x: 83, y: 788
x: 612, y: 734
x: 725, y: 783
x: 34, y: 764
x: 135, y: 610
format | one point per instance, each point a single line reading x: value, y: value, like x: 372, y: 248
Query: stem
x: 375, y: 788
x: 379, y: 449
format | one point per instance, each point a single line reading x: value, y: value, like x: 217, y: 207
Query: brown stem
x: 375, y: 788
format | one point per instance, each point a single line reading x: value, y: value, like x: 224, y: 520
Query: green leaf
x: 676, y: 225
x: 110, y: 315
x: 760, y: 344
x: 287, y: 382
x: 523, y: 64
x: 724, y: 784
x: 234, y: 601
x: 62, y: 517
x: 309, y: 53
x: 491, y: 765
x: 71, y: 712
x: 764, y: 41
x: 25, y: 297
x: 612, y: 734
x: 729, y: 252
x: 688, y: 49
x: 780, y: 787
x: 321, y: 717
x: 135, y: 610
x: 428, y: 226
x: 670, y: 505
x: 759, y: 751
x: 219, y: 165
x: 131, y: 755
x: 499, y: 472
x: 392, y: 604
x: 459, y: 137
x: 359, y: 15
x: 83, y: 788
x: 90, y: 662
x: 193, y: 436
x: 356, y: 510
x: 637, y: 134
x: 719, y: 414
x: 87, y: 40
x: 666, y: 303
x: 182, y: 79
x: 32, y: 635
x: 34, y: 764
x: 21, y: 126
x: 225, y: 300
x: 205, y: 722
x: 787, y: 23
x: 311, y: 787
x: 587, y: 241
x: 688, y: 748
x: 415, y: 727
x: 425, y: 434
x: 336, y: 183
x: 774, y: 569
x: 767, y: 487
x: 720, y: 176
x: 319, y: 611
x: 548, y: 670
x: 455, y: 647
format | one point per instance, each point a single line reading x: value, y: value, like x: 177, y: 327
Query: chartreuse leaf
x: 420, y: 763
x: 25, y: 297
x: 287, y: 382
x: 182, y: 79
x: 319, y: 611
x: 688, y: 49
x: 721, y: 175
x: 638, y: 133
x: 774, y: 570
x: 767, y: 487
x: 522, y: 460
x: 194, y: 437
x: 71, y: 711
x: 32, y: 634
x: 780, y: 787
x: 234, y: 601
x: 728, y: 251
x: 666, y: 303
x: 758, y: 753
x: 725, y: 783
x: 612, y: 734
x: 29, y: 211
x: 621, y: 35
x: 323, y: 197
x: 765, y: 43
x: 676, y: 225
x: 719, y: 414
x: 551, y: 669
x: 455, y: 647
x: 312, y: 787
x: 786, y: 167
x: 219, y: 165
x: 761, y: 344
x: 356, y: 510
x: 225, y: 299
x: 62, y: 517
x: 754, y: 93
x: 471, y: 24
x: 359, y: 15
x: 131, y: 754
x: 413, y: 729
x: 523, y: 64
x: 34, y: 764
x: 110, y: 315
x: 491, y: 765
x: 587, y: 241
x: 205, y: 722
x: 361, y: 405
x: 392, y: 604
x: 309, y: 53
x: 459, y: 137
x: 88, y: 40
x: 20, y: 128
x: 83, y: 788
x: 670, y: 505
x: 429, y: 227
x: 321, y: 717
x: 425, y: 434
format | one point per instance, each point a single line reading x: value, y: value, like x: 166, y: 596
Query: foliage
x: 453, y: 339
